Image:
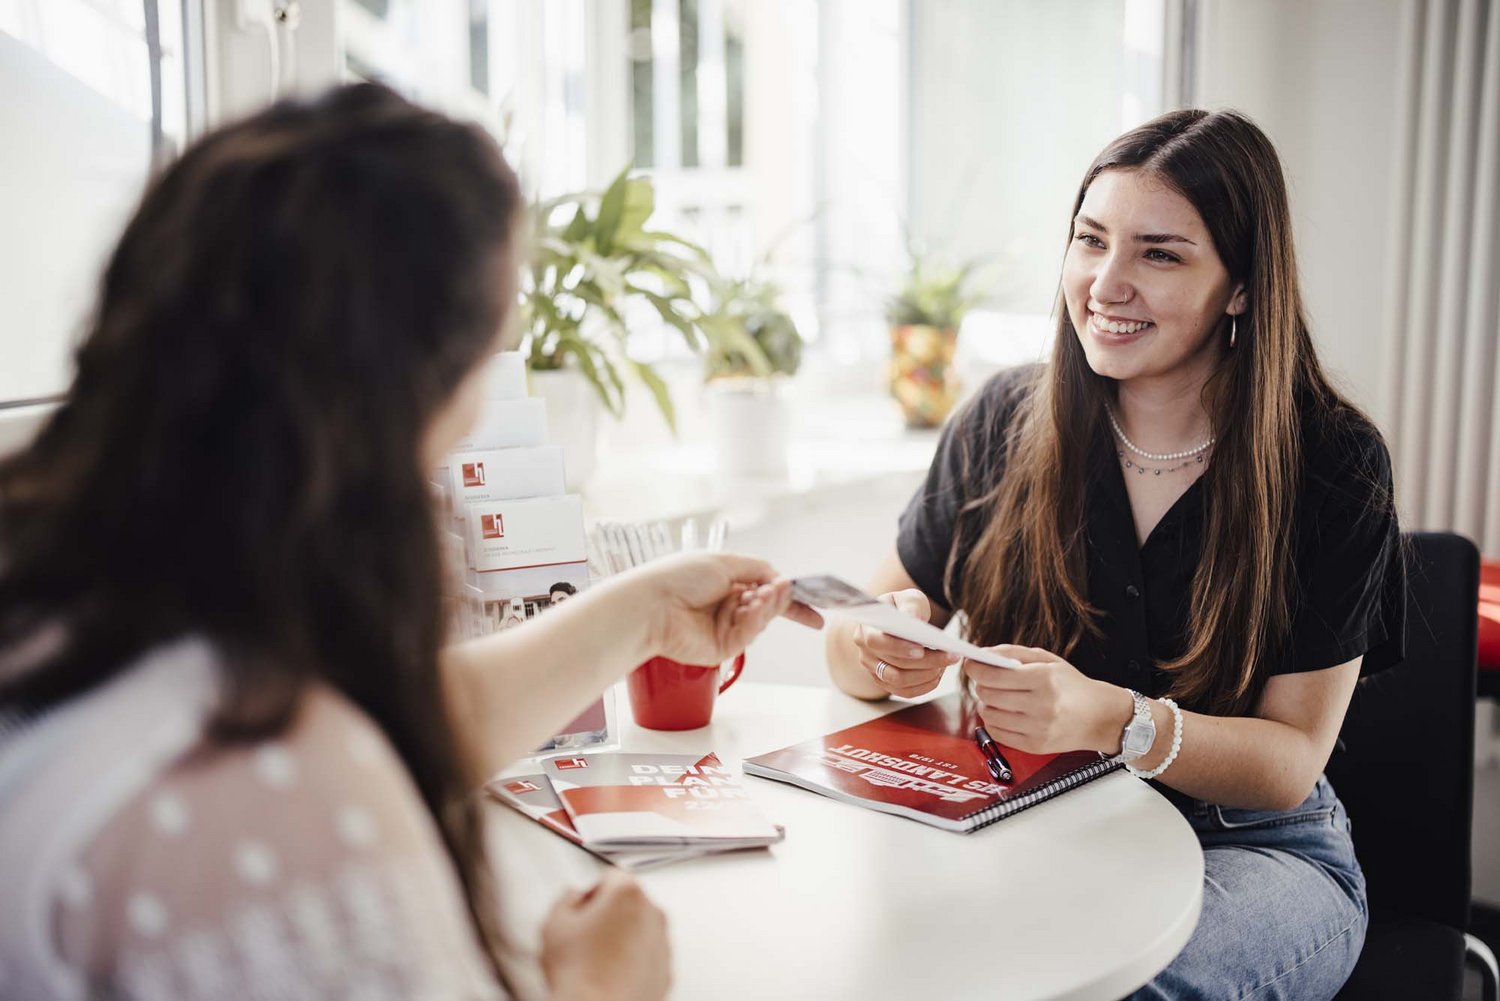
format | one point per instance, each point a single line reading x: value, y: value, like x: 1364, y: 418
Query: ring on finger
x: 880, y: 667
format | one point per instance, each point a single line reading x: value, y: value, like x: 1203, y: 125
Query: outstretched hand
x: 707, y: 607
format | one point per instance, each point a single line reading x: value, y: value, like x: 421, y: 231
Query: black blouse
x: 1351, y: 594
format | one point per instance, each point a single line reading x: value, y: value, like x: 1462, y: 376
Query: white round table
x: 1086, y: 896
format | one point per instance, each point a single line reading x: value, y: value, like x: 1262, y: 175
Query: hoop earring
x: 1232, y: 331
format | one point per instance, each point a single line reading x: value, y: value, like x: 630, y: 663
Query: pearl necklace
x: 1154, y: 456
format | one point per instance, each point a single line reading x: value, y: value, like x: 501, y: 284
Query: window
x: 688, y: 83
x: 104, y: 44
x: 688, y: 119
x: 81, y: 126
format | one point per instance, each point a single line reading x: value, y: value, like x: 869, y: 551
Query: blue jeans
x: 1284, y: 909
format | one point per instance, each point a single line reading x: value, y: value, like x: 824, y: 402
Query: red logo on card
x: 492, y: 526
x: 523, y: 785
x: 563, y: 764
x: 473, y: 474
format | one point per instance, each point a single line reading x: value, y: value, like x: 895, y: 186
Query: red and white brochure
x: 922, y: 763
x: 532, y: 796
x: 618, y: 800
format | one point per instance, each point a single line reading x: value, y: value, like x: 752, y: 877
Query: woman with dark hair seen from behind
x: 1193, y: 535
x: 236, y: 754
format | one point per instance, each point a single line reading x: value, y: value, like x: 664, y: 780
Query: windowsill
x: 842, y: 441
x: 845, y: 432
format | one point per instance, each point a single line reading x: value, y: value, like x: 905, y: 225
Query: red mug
x: 666, y: 695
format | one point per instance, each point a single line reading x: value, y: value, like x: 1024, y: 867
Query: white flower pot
x: 573, y: 410
x: 750, y: 426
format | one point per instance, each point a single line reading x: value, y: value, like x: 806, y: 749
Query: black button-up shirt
x: 1351, y: 588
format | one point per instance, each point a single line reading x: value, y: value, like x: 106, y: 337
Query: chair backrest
x: 1406, y: 770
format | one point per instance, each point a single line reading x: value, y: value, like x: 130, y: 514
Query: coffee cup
x: 668, y: 695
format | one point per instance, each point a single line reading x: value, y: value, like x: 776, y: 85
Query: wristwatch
x: 1140, y: 732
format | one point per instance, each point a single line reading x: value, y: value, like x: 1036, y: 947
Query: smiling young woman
x: 1194, y: 535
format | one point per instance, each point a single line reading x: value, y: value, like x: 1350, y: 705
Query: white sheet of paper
x: 836, y: 596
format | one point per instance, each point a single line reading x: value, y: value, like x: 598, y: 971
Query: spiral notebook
x: 922, y: 763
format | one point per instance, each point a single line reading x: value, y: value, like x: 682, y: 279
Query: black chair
x: 1405, y: 771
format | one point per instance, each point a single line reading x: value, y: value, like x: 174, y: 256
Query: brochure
x: 626, y: 800
x: 532, y: 796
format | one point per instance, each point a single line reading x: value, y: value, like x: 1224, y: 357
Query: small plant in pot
x: 596, y: 271
x: 925, y: 316
x: 756, y: 348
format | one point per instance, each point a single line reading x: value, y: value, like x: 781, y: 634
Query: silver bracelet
x: 1176, y: 744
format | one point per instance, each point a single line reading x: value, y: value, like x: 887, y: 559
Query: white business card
x: 522, y: 534
x: 507, y: 424
x: 505, y: 376
x: 836, y: 596
x: 505, y: 474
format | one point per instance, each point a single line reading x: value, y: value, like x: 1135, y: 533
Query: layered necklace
x: 1191, y: 457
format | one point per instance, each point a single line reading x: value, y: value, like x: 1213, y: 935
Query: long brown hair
x: 240, y: 455
x: 1243, y: 587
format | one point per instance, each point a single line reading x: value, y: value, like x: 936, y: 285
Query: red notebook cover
x: 921, y: 762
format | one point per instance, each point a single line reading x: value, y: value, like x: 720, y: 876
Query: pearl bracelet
x: 1176, y: 745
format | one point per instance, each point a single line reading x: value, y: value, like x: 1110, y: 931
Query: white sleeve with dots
x: 306, y: 866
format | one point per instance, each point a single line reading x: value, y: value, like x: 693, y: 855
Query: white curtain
x: 1442, y: 286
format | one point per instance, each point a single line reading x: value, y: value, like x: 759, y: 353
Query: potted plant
x: 595, y: 270
x: 746, y: 403
x: 925, y: 316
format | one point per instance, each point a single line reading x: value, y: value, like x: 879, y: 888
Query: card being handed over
x: 837, y: 596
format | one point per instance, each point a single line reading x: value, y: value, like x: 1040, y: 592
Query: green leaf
x: 578, y: 229
x: 591, y: 296
x: 673, y: 284
x: 640, y: 202
x: 697, y: 252
x: 728, y: 336
x: 658, y: 390
x: 598, y: 370
x: 607, y: 273
x: 611, y: 209
x: 690, y: 333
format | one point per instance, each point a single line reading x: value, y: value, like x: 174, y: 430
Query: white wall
x: 1320, y: 79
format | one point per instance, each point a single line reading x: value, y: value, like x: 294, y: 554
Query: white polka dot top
x: 138, y: 860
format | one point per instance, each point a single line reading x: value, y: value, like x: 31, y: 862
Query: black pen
x: 999, y: 767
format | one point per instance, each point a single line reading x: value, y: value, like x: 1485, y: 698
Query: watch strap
x: 1140, y: 719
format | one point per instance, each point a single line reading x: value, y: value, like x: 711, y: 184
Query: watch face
x: 1138, y: 740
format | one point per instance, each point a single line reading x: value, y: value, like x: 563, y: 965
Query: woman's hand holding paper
x: 899, y: 666
x: 706, y: 607
x: 1047, y: 705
